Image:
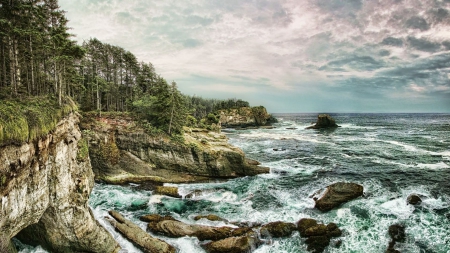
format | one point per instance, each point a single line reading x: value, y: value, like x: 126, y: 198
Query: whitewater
x: 391, y: 155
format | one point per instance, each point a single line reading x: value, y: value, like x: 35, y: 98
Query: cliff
x: 44, y: 188
x: 123, y: 152
x: 245, y: 117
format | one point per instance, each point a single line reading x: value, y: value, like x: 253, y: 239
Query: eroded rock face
x: 324, y: 121
x: 337, y: 194
x: 46, y: 192
x: 121, y: 152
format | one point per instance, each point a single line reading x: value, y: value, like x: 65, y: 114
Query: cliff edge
x: 123, y: 152
x: 44, y: 188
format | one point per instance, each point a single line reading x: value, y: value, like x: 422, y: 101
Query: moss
x: 2, y: 180
x: 23, y: 120
x: 83, y: 150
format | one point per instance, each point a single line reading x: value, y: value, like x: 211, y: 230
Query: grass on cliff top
x: 26, y: 119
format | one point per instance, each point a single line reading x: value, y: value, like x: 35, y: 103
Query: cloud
x: 417, y: 23
x: 370, y: 49
x: 423, y: 44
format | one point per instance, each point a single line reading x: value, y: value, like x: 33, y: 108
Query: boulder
x: 324, y: 121
x: 337, y: 194
x: 168, y: 191
x: 277, y: 229
x: 413, y: 199
x: 318, y: 235
x: 233, y: 245
x: 171, y: 228
x: 138, y: 236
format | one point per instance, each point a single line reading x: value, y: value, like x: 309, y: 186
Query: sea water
x: 391, y: 155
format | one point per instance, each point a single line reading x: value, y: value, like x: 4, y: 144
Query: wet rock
x: 291, y: 128
x: 337, y: 194
x: 252, y: 162
x: 304, y: 224
x: 397, y: 234
x: 413, y: 199
x: 171, y: 228
x: 155, y: 218
x: 333, y: 230
x: 318, y: 235
x: 233, y: 245
x: 316, y: 230
x: 210, y: 217
x: 324, y: 121
x: 168, y: 191
x: 277, y: 229
x: 138, y: 236
x: 317, y: 243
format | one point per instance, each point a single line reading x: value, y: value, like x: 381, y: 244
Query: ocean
x: 391, y: 155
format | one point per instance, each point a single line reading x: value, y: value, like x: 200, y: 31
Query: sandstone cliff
x: 245, y: 117
x: 122, y: 152
x: 44, y: 189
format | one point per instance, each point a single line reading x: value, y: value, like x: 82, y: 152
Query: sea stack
x: 324, y: 121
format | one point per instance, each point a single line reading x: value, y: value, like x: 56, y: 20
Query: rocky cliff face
x: 244, y: 117
x: 121, y: 152
x: 44, y: 189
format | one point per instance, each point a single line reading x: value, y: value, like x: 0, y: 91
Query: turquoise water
x: 391, y: 155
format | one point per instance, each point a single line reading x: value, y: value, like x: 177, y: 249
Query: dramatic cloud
x: 290, y: 55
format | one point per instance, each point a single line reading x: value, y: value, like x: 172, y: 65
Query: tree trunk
x: 32, y: 66
x: 4, y: 66
x: 16, y: 58
x: 12, y: 67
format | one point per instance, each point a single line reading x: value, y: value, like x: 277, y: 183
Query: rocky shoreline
x: 121, y: 152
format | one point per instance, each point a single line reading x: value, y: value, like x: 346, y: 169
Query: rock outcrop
x: 122, y: 152
x: 45, y: 186
x: 277, y: 229
x: 233, y: 244
x: 413, y: 199
x: 134, y: 233
x: 245, y: 117
x: 397, y: 234
x: 318, y: 235
x: 337, y: 194
x: 324, y: 121
x: 173, y: 228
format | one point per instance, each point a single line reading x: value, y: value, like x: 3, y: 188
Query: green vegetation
x: 30, y: 118
x: 39, y: 58
x: 83, y: 150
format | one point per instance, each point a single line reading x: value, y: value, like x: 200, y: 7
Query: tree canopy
x: 38, y: 57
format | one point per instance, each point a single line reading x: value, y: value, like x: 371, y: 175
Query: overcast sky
x: 288, y: 55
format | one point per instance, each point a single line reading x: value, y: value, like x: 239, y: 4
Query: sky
x: 288, y: 55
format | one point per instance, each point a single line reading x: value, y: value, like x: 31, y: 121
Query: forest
x: 39, y: 58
